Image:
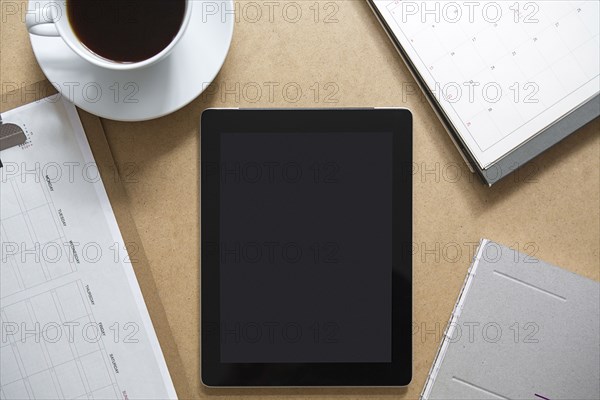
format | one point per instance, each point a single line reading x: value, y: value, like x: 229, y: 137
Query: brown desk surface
x: 550, y: 208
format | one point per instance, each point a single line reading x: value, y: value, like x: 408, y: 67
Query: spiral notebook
x: 507, y: 79
x: 520, y: 329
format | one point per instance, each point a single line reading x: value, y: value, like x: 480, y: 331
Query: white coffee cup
x: 50, y: 18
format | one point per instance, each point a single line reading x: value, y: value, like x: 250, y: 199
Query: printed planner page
x: 502, y: 71
x: 74, y: 324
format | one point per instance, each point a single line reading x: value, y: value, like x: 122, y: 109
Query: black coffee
x: 126, y: 30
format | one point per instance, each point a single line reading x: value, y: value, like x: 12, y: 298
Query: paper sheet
x: 501, y: 71
x: 73, y: 320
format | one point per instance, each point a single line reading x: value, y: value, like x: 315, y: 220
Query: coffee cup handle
x: 38, y: 25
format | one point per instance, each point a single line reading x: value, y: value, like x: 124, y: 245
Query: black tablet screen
x: 306, y: 247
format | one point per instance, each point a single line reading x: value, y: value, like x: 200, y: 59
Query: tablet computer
x: 306, y: 224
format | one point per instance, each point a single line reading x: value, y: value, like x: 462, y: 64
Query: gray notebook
x: 521, y: 329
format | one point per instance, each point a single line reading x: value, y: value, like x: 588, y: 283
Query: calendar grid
x: 540, y: 68
x: 62, y: 366
x: 26, y: 199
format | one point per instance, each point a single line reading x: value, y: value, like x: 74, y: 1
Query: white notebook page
x: 73, y: 321
x: 502, y: 71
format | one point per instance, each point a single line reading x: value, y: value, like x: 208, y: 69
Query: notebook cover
x: 556, y: 132
x: 521, y: 329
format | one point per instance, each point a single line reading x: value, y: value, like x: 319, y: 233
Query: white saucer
x: 151, y: 92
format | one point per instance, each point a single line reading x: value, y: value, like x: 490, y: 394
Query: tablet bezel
x: 214, y: 122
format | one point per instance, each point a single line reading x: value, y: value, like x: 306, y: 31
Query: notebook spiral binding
x: 11, y: 135
x: 449, y: 331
